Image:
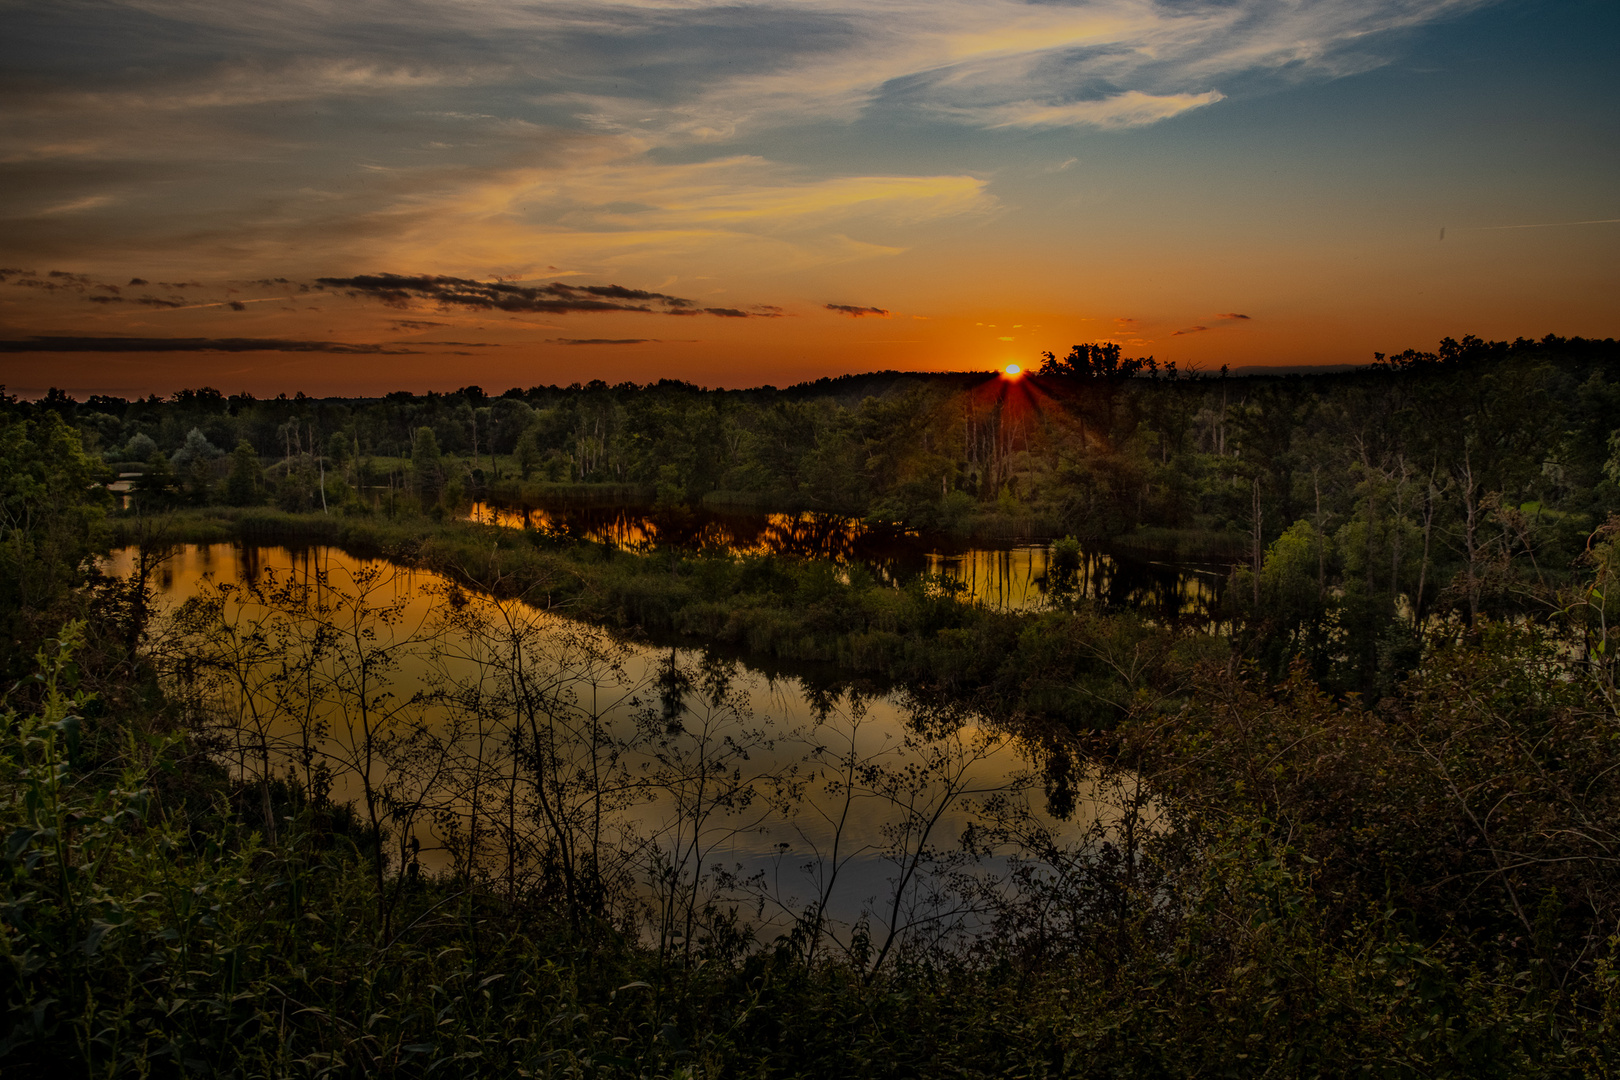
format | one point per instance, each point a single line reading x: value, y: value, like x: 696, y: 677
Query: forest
x: 1359, y: 817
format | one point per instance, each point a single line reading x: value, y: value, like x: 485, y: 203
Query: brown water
x: 818, y: 784
x: 1014, y: 576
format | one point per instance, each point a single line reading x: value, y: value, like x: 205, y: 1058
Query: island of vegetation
x: 1356, y: 812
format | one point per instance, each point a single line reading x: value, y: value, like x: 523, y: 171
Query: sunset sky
x: 363, y: 196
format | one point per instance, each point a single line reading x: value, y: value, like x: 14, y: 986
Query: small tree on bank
x: 244, y: 483
x: 427, y: 465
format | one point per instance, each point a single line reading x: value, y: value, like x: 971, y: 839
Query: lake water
x: 1012, y: 576
x: 491, y: 736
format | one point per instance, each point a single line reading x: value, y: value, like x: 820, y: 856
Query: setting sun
x: 1013, y: 371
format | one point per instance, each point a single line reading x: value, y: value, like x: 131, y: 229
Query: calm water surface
x: 824, y: 788
x: 1014, y: 576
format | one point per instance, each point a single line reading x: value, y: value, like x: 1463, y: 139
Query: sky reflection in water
x: 801, y: 737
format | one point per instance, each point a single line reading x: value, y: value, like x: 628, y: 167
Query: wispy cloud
x: 1130, y: 109
x: 458, y: 344
x: 445, y: 95
x: 601, y: 208
x: 1226, y: 319
x: 263, y: 81
x: 976, y: 60
x: 555, y: 298
x: 63, y: 344
x: 89, y: 202
x: 855, y: 311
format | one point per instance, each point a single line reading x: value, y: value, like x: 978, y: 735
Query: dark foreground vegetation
x: 1371, y: 827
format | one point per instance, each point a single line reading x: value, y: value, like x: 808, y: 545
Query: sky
x: 360, y: 196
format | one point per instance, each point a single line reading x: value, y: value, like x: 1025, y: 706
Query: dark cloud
x: 135, y: 344
x: 51, y: 282
x: 146, y: 301
x: 758, y: 311
x: 856, y: 312
x: 1190, y: 330
x: 461, y: 344
x: 557, y: 298
x: 401, y: 290
x: 603, y: 341
x: 97, y: 292
x: 1231, y: 315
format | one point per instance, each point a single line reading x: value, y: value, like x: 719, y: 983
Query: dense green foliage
x: 50, y: 503
x: 1082, y: 447
x: 1369, y: 829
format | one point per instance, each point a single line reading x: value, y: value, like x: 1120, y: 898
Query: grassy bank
x: 1189, y: 545
x: 1047, y: 668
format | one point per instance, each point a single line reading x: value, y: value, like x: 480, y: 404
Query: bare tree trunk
x: 1395, y: 534
x: 1423, y: 567
x: 1259, y: 540
x: 1372, y: 529
x: 1471, y: 516
x: 1321, y: 538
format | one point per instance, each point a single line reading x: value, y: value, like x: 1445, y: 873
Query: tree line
x: 1093, y: 443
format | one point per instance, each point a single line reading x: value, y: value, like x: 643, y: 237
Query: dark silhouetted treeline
x: 1135, y: 452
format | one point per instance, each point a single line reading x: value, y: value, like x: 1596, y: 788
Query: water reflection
x: 806, y: 535
x: 1017, y: 576
x: 501, y: 741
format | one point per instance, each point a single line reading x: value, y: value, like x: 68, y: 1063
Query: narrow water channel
x: 1017, y: 575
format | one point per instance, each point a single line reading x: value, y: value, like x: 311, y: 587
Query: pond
x: 1009, y: 576
x: 495, y: 740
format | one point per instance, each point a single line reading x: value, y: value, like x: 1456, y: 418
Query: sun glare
x: 1013, y: 371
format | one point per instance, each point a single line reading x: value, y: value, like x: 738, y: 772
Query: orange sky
x: 789, y: 190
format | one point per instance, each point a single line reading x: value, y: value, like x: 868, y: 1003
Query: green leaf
x: 18, y: 841
x: 92, y: 940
